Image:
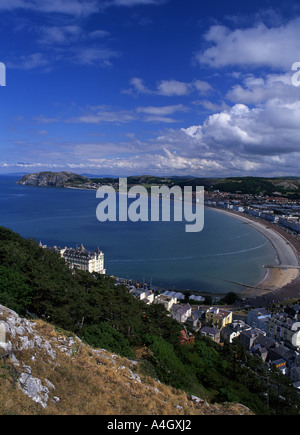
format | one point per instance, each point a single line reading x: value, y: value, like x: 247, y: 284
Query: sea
x: 224, y: 255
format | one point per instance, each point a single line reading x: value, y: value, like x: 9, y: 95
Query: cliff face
x: 48, y: 371
x: 52, y: 179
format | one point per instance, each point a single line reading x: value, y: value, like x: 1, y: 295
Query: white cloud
x: 165, y: 162
x: 255, y: 90
x: 102, y: 114
x: 173, y: 87
x: 72, y: 7
x: 60, y: 35
x: 99, y: 34
x: 93, y: 56
x: 169, y: 88
x: 29, y: 62
x: 257, y: 46
x: 107, y: 114
x: 163, y: 110
x: 67, y: 7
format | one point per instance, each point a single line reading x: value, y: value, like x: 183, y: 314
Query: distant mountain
x: 52, y: 179
x: 250, y: 185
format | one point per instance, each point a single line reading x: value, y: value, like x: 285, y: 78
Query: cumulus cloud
x: 257, y: 46
x: 255, y: 90
x: 270, y: 130
x: 173, y: 87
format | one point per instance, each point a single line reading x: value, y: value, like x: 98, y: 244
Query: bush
x: 105, y: 336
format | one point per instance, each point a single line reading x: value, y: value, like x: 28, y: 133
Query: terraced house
x: 286, y: 330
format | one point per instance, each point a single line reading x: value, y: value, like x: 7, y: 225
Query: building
x: 186, y: 337
x: 218, y: 318
x: 178, y: 295
x: 249, y: 337
x: 259, y: 318
x: 167, y: 301
x: 196, y: 320
x: 234, y: 329
x: 143, y: 295
x: 286, y: 330
x: 212, y: 333
x: 182, y: 313
x: 81, y: 258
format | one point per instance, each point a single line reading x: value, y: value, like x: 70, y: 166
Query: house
x: 270, y: 351
x: 167, y: 301
x: 142, y: 295
x: 179, y: 296
x: 148, y: 298
x: 285, y: 329
x: 280, y: 352
x: 196, y: 320
x: 280, y: 365
x: 262, y: 352
x: 259, y: 318
x: 248, y: 337
x: 186, y: 337
x: 233, y: 330
x: 182, y: 313
x: 197, y: 298
x: 210, y: 332
x: 217, y: 317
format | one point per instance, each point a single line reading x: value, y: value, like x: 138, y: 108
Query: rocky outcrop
x: 52, y: 179
x: 18, y: 335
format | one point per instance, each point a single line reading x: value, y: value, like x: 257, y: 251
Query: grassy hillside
x: 81, y: 380
x: 37, y: 283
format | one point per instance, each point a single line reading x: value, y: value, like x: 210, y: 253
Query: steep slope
x: 47, y: 371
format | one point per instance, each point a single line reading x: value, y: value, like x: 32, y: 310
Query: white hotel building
x: 81, y: 258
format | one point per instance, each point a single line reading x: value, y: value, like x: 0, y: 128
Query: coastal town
x: 270, y: 330
x: 264, y: 318
x: 272, y: 333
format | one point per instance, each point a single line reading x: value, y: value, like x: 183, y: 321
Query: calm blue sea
x: 226, y: 250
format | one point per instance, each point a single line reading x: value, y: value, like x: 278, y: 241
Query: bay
x: 159, y: 252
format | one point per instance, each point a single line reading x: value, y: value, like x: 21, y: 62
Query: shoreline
x: 287, y: 254
x: 276, y: 278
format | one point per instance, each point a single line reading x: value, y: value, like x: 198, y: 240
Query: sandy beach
x: 287, y: 250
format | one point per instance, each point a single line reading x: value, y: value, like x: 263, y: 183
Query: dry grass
x: 89, y: 383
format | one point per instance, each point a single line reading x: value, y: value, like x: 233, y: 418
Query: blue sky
x: 162, y: 87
